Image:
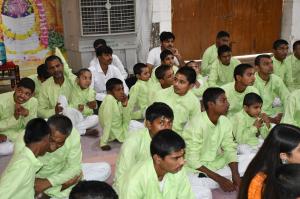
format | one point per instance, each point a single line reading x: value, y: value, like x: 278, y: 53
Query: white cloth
x: 99, y: 171
x: 154, y: 57
x: 99, y: 79
x: 135, y: 125
x: 200, y: 186
x: 115, y: 61
x: 276, y: 102
x: 6, y: 148
x: 247, y: 149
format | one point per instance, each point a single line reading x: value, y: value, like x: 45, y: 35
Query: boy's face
x: 57, y: 139
x: 22, y: 95
x: 221, y: 105
x: 181, y: 84
x: 158, y: 124
x: 105, y: 58
x: 225, y: 58
x: 118, y: 92
x: 266, y: 66
x: 145, y: 74
x: 169, y: 60
x: 222, y: 41
x: 248, y: 77
x: 55, y: 68
x: 297, y: 51
x: 85, y: 79
x: 281, y: 52
x: 167, y: 44
x: 195, y: 66
x: 171, y: 163
x: 253, y: 110
x: 168, y: 79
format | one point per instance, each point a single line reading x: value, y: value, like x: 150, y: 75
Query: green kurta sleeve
x: 138, y: 99
x: 294, y: 62
x: 292, y: 109
x: 283, y: 70
x: 203, y: 86
x: 209, y: 56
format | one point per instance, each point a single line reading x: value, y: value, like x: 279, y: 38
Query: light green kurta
x: 235, y: 98
x: 138, y: 99
x: 154, y: 88
x: 37, y: 83
x: 221, y: 74
x: 153, y: 78
x: 9, y: 125
x: 62, y: 165
x: 203, y: 86
x: 142, y: 183
x: 17, y: 181
x: 295, y: 65
x: 209, y: 145
x: 244, y: 131
x: 184, y: 107
x: 283, y: 70
x: 292, y: 109
x: 82, y: 96
x: 208, y: 58
x: 269, y: 90
x: 114, y: 119
x: 135, y: 148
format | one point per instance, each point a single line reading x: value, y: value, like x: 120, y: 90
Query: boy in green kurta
x: 282, y: 67
x: 270, y: 86
x: 211, y: 150
x: 138, y: 94
x: 163, y: 175
x: 294, y: 61
x: 211, y: 53
x: 41, y: 76
x: 136, y: 147
x: 292, y: 109
x: 17, y: 181
x: 222, y: 69
x: 250, y: 127
x: 16, y: 109
x: 243, y: 84
x: 180, y: 98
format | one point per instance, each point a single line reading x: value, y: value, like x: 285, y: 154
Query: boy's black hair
x: 189, y: 73
x: 161, y: 70
x: 61, y: 123
x: 166, y: 142
x: 42, y: 71
x: 93, y: 190
x: 222, y: 34
x: 28, y: 83
x: 99, y: 42
x: 52, y: 58
x: 112, y: 82
x: 296, y: 43
x: 252, y: 98
x: 138, y: 68
x: 166, y: 36
x: 223, y: 49
x: 35, y: 130
x: 240, y: 70
x: 211, y: 95
x: 104, y: 50
x: 259, y: 57
x: 279, y: 42
x: 81, y: 71
x: 157, y: 110
x: 164, y: 54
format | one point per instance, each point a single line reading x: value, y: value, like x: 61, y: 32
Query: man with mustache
x: 16, y: 109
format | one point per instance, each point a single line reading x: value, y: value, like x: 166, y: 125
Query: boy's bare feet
x: 92, y: 132
x: 106, y: 148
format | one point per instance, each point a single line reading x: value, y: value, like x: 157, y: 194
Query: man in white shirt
x: 103, y: 70
x: 167, y: 42
x: 115, y: 59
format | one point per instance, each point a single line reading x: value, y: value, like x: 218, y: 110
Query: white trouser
x: 6, y: 148
x: 200, y: 186
x: 248, y: 149
x: 135, y: 125
x: 79, y: 122
x: 99, y: 171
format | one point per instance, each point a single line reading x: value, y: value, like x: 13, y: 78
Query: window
x: 100, y: 17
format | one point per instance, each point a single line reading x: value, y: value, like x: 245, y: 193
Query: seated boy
x: 62, y: 166
x: 161, y: 176
x: 114, y: 115
x: 235, y: 91
x: 250, y: 127
x: 42, y: 76
x: 16, y: 109
x: 294, y: 61
x: 201, y: 84
x: 136, y: 147
x: 221, y: 71
x: 180, y: 98
x: 211, y: 150
x: 270, y: 87
x: 138, y: 94
x: 17, y: 181
x: 292, y: 109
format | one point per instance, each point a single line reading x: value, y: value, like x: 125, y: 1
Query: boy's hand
x: 225, y: 184
x: 124, y: 101
x: 176, y: 53
x: 258, y: 123
x: 277, y: 119
x: 80, y: 107
x: 3, y: 138
x: 58, y: 108
x: 92, y: 104
x: 197, y: 84
x: 236, y: 179
x: 23, y: 111
x: 71, y: 182
x: 40, y: 185
x: 266, y: 119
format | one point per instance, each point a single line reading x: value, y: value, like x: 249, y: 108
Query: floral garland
x: 27, y: 52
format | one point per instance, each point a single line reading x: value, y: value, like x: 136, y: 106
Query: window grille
x: 100, y: 17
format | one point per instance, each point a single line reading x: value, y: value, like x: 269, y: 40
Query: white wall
x: 162, y: 14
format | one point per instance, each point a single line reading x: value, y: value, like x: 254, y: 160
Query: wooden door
x: 252, y: 24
